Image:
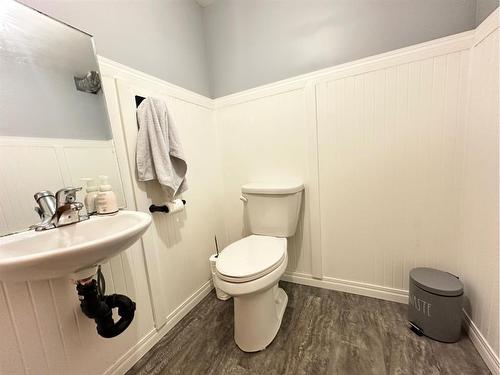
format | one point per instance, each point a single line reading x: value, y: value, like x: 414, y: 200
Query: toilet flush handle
x: 243, y: 199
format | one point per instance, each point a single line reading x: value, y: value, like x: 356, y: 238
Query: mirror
x: 54, y: 126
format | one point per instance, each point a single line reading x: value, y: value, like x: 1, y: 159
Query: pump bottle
x: 106, y: 199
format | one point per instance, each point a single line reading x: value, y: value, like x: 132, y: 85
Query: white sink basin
x: 62, y: 251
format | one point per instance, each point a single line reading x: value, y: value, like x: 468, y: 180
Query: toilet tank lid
x: 272, y: 188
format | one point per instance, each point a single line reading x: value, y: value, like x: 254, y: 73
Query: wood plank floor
x: 323, y: 332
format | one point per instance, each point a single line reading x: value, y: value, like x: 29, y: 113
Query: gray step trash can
x: 435, y: 304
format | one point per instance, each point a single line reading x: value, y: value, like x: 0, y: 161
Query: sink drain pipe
x: 96, y: 305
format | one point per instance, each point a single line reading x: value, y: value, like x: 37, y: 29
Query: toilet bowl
x: 249, y: 271
x: 250, y: 268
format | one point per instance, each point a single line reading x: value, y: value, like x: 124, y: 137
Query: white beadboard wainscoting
x: 177, y: 246
x: 42, y: 327
x: 166, y: 273
x: 383, y: 147
x: 369, y: 117
x: 389, y: 144
x: 398, y: 153
x: 307, y: 144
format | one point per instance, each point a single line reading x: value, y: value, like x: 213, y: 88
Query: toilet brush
x: 216, y: 247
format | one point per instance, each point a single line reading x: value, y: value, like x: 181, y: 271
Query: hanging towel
x: 159, y: 154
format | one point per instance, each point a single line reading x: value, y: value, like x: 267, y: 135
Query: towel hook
x: 138, y: 100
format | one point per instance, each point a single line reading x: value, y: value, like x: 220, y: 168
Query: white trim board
x: 55, y: 142
x: 485, y: 350
x: 119, y: 71
x: 312, y: 192
x: 488, y: 26
x: 353, y: 287
x: 130, y: 358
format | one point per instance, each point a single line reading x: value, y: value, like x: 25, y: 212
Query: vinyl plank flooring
x: 323, y: 332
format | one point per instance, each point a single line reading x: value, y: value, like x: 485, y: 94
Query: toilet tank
x: 272, y: 209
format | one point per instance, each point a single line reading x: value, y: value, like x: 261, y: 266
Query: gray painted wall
x: 484, y: 8
x: 232, y: 45
x: 254, y: 42
x: 163, y: 38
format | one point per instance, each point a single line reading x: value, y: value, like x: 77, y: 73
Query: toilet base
x: 257, y: 318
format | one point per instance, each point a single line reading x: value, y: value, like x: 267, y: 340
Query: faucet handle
x: 66, y: 195
x: 46, y: 204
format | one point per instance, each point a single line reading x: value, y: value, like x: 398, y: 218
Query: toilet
x: 249, y: 269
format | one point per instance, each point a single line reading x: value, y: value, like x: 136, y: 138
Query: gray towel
x: 159, y: 154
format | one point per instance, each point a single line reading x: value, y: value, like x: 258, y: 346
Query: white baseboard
x: 181, y: 311
x: 396, y: 295
x: 485, y: 351
x: 354, y: 287
x: 126, y: 361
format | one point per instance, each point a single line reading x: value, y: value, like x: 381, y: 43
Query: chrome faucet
x: 56, y: 211
x: 46, y: 209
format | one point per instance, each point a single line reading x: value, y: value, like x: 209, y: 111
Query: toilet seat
x: 250, y: 258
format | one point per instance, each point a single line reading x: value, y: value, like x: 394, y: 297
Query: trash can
x: 435, y: 304
x: 220, y: 294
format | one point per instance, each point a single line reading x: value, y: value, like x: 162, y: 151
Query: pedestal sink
x: 66, y: 250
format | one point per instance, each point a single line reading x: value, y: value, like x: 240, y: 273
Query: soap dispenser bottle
x: 90, y: 197
x: 106, y: 199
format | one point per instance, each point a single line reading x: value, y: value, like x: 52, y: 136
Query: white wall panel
x: 265, y: 140
x: 480, y: 225
x: 177, y: 246
x: 389, y: 159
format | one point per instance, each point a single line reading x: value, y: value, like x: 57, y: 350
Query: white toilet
x: 249, y: 269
